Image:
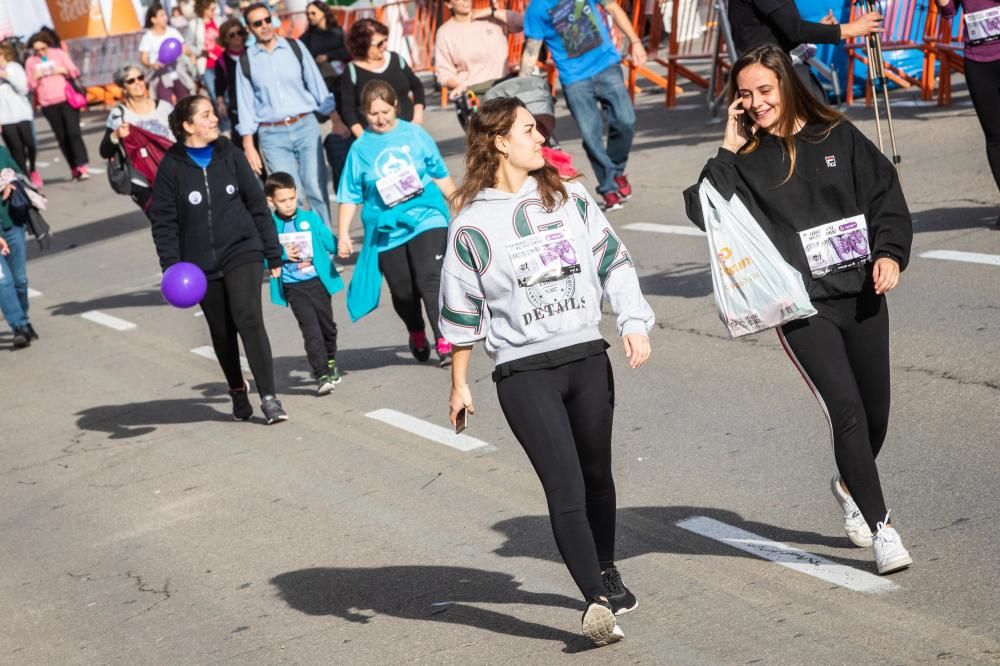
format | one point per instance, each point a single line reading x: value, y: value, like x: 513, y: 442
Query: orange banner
x: 92, y: 18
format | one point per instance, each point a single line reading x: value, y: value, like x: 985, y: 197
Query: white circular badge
x: 195, y: 198
x: 304, y: 226
x: 230, y: 189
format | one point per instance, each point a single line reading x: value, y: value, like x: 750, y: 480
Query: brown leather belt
x: 286, y: 121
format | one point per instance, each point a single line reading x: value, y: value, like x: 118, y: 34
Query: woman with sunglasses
x: 136, y: 109
x: 233, y: 37
x: 368, y: 43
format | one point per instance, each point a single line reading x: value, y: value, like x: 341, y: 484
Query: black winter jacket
x: 837, y: 176
x: 216, y: 218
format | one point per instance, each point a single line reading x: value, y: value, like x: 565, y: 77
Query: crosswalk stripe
x: 206, y: 351
x: 967, y: 257
x: 664, y: 229
x: 427, y: 430
x: 103, y: 319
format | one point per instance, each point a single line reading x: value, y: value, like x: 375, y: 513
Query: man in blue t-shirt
x: 576, y: 34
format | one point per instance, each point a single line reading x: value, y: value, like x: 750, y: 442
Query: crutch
x: 877, y: 79
x: 724, y: 33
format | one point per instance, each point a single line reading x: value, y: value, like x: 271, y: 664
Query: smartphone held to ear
x: 461, y: 420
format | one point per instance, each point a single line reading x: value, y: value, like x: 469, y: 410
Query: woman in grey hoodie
x: 529, y: 259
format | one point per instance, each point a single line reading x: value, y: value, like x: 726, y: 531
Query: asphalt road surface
x: 140, y: 525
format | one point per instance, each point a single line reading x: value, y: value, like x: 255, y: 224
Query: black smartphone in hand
x: 461, y: 420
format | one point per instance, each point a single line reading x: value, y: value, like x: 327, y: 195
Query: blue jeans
x: 14, y: 280
x: 605, y: 90
x: 298, y: 150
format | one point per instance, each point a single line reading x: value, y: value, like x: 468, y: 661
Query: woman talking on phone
x: 833, y: 206
x: 529, y: 259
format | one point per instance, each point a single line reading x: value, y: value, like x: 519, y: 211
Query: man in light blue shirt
x: 277, y: 102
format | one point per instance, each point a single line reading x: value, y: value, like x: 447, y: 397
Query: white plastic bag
x: 755, y: 289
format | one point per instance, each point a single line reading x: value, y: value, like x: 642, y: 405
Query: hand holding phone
x: 460, y: 405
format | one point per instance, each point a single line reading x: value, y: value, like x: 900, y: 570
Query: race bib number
x: 983, y: 26
x: 399, y: 186
x: 300, y: 244
x: 576, y: 25
x: 543, y: 257
x: 837, y: 246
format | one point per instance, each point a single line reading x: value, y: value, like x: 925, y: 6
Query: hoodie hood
x: 493, y: 194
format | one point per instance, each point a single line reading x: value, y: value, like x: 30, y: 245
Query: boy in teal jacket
x: 308, y: 277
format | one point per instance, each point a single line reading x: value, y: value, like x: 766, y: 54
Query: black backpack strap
x: 297, y: 50
x: 245, y: 66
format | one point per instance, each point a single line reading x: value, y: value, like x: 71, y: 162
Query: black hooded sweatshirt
x: 836, y: 176
x: 217, y: 217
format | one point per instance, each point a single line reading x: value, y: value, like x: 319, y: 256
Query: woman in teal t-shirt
x: 396, y: 172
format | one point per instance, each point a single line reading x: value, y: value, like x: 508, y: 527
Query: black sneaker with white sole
x: 273, y: 411
x: 620, y: 597
x: 242, y: 409
x: 599, y: 624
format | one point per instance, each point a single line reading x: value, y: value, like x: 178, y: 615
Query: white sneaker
x: 854, y: 523
x: 889, y: 552
x: 600, y: 625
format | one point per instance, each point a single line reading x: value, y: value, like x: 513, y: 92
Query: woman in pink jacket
x: 49, y: 69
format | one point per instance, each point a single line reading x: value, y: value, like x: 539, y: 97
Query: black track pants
x: 562, y: 417
x: 983, y: 79
x: 310, y: 303
x: 843, y: 354
x: 413, y: 271
x: 21, y: 143
x: 232, y: 306
x: 65, y: 123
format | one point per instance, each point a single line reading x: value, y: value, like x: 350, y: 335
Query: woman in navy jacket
x: 209, y: 209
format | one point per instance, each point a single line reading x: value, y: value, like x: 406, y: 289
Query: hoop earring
x: 506, y: 156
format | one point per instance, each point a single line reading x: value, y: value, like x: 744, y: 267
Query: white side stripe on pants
x: 809, y: 382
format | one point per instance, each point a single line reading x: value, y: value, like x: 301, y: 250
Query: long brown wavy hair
x: 797, y: 103
x: 482, y: 159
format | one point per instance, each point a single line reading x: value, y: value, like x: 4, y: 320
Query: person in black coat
x: 325, y: 41
x: 209, y: 209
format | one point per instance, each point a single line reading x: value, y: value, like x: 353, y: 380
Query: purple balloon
x: 170, y: 50
x: 183, y: 285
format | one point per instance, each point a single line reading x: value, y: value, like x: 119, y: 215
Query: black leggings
x: 310, y: 303
x: 21, y: 143
x: 65, y: 123
x: 983, y: 79
x: 562, y: 417
x: 843, y: 354
x: 413, y: 271
x: 232, y: 306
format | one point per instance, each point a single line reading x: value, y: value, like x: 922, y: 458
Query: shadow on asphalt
x: 531, y: 536
x: 90, y: 233
x: 134, y: 299
x: 135, y: 419
x: 954, y: 219
x: 432, y: 593
x: 685, y: 280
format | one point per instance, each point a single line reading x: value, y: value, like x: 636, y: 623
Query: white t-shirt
x: 156, y: 122
x: 150, y: 43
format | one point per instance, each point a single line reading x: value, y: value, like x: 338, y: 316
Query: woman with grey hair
x: 139, y: 109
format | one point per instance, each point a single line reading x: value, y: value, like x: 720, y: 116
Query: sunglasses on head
x: 141, y: 77
x: 260, y: 22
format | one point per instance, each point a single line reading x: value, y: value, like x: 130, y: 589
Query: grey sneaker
x: 325, y: 385
x: 273, y: 411
x: 890, y: 555
x: 854, y: 523
x: 599, y: 624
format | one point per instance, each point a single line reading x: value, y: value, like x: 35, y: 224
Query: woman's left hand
x: 637, y: 349
x: 276, y: 272
x: 886, y: 274
x: 4, y: 248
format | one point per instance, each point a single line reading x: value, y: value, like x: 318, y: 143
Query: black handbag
x: 119, y: 173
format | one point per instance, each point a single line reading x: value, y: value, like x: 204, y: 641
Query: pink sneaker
x: 444, y: 352
x: 83, y: 173
x: 75, y: 173
x: 419, y: 347
x: 36, y: 180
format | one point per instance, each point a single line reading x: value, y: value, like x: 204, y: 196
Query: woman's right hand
x: 122, y: 131
x: 736, y: 133
x: 344, y: 247
x: 461, y: 397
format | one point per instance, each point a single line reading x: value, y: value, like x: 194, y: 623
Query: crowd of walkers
x: 517, y: 256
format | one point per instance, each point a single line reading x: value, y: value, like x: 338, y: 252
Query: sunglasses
x: 260, y: 22
x: 379, y: 45
x: 141, y: 77
x: 236, y: 33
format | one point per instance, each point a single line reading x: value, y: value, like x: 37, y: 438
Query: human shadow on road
x: 415, y: 592
x: 135, y: 419
x: 955, y: 219
x: 92, y: 232
x: 686, y: 280
x: 654, y: 530
x: 133, y: 299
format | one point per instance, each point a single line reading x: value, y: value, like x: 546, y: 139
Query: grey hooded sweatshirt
x: 530, y: 281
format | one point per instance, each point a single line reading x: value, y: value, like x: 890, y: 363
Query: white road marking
x: 209, y: 353
x: 99, y: 317
x: 427, y: 430
x: 664, y: 229
x: 968, y: 257
x: 199, y: 313
x: 97, y: 170
x: 787, y: 556
x: 33, y: 293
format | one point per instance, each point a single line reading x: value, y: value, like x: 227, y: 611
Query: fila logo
x: 831, y: 161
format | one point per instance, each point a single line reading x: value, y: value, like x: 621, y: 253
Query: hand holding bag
x: 755, y: 288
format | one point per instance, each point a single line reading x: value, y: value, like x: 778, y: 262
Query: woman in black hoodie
x: 209, y: 209
x: 833, y: 206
